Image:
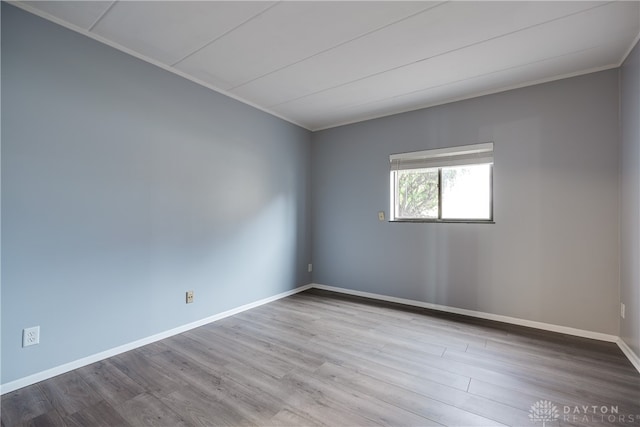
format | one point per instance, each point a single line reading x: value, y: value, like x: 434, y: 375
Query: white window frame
x: 474, y: 154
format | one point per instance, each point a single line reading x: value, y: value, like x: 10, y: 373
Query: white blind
x: 441, y: 157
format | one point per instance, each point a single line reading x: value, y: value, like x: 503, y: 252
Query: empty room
x: 320, y: 213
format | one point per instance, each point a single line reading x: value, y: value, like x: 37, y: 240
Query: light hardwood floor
x: 320, y: 358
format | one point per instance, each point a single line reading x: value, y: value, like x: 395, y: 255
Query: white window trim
x: 474, y: 154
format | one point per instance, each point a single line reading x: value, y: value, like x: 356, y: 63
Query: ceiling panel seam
x: 341, y: 44
x: 102, y: 15
x: 378, y: 115
x: 251, y: 18
x: 437, y: 55
x: 605, y: 67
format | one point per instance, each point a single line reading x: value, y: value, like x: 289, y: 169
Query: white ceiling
x: 321, y: 64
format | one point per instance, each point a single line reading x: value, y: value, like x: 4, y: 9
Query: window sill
x: 443, y: 221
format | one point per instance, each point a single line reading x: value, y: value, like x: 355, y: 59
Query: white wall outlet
x: 31, y: 336
x: 310, y: 268
x: 189, y: 297
x: 381, y: 216
x: 622, y: 310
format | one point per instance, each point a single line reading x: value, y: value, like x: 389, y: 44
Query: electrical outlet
x: 310, y: 268
x: 189, y: 297
x: 31, y: 336
x: 622, y: 309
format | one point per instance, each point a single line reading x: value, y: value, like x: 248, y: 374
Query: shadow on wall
x: 446, y: 278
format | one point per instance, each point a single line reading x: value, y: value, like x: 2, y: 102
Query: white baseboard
x: 58, y: 370
x: 633, y: 358
x: 479, y: 314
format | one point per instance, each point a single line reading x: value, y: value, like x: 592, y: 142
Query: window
x: 443, y: 185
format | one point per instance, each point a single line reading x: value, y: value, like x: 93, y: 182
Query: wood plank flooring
x: 320, y: 358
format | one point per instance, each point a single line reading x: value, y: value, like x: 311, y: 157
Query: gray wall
x: 123, y: 186
x: 630, y: 199
x: 551, y: 256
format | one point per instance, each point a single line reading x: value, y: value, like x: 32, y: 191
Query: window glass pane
x: 417, y: 195
x: 466, y: 192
